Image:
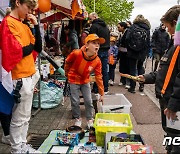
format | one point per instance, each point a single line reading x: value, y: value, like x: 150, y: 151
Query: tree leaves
x: 111, y: 11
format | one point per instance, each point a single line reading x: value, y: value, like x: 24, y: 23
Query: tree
x: 111, y: 11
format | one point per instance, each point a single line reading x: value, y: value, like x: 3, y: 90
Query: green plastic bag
x: 51, y: 95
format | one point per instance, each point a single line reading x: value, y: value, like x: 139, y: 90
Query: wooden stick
x: 130, y: 77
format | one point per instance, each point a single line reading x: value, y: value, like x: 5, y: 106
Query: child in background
x: 78, y: 66
x: 113, y: 52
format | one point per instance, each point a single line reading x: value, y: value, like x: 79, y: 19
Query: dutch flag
x: 10, y: 55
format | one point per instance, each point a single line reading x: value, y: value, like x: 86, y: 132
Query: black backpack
x: 136, y: 38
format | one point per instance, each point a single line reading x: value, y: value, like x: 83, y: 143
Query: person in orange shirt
x: 18, y: 68
x: 78, y: 66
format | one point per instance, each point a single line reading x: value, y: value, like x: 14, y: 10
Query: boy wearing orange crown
x: 78, y: 66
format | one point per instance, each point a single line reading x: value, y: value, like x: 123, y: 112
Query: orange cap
x: 92, y: 37
x: 112, y: 39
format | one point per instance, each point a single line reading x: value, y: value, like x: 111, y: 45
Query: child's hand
x: 101, y: 99
x: 32, y: 18
x: 141, y: 78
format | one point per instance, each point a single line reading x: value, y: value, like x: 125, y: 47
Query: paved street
x: 145, y: 116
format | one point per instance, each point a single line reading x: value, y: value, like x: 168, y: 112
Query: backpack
x: 136, y: 38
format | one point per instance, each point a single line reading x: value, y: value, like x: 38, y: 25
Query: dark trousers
x: 140, y: 67
x: 103, y: 55
x: 112, y: 71
x: 132, y: 71
x: 123, y: 65
x: 5, y: 123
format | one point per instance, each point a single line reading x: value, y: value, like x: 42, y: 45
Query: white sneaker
x: 127, y: 86
x: 111, y: 83
x: 120, y: 84
x: 90, y: 123
x: 27, y: 148
x: 6, y: 139
x: 105, y: 93
x: 78, y: 122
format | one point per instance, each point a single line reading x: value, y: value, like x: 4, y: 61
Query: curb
x: 151, y: 95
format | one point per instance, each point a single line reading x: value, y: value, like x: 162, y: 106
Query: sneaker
x: 141, y: 87
x: 27, y: 148
x: 120, y: 84
x: 127, y: 86
x: 78, y: 122
x: 106, y: 92
x: 131, y: 90
x: 90, y: 123
x: 6, y: 139
x: 111, y: 83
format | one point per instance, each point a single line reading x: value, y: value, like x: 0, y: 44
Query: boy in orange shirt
x: 18, y: 68
x: 78, y: 66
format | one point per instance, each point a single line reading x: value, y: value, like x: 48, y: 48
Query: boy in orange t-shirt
x: 17, y: 44
x: 78, y: 66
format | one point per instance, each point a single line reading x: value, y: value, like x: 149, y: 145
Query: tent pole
x: 39, y: 82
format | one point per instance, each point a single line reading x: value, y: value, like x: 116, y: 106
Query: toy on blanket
x: 130, y: 77
x: 67, y: 138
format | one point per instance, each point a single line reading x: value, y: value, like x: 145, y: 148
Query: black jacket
x: 172, y: 94
x: 100, y: 28
x: 160, y: 41
x: 140, y: 55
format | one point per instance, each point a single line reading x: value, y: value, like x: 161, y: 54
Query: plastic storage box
x: 117, y: 117
x: 116, y: 103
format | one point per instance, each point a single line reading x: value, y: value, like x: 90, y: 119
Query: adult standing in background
x: 159, y: 43
x: 138, y: 45
x: 122, y: 54
x: 71, y: 41
x: 100, y: 28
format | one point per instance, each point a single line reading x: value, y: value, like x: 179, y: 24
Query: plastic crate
x: 116, y: 103
x: 117, y: 117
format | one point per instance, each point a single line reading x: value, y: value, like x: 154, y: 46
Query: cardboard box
x: 136, y: 137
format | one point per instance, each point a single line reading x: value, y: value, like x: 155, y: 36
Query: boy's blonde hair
x: 31, y: 3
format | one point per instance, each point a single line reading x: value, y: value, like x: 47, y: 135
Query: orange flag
x: 75, y: 8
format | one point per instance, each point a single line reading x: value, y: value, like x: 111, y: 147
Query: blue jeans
x: 103, y: 55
